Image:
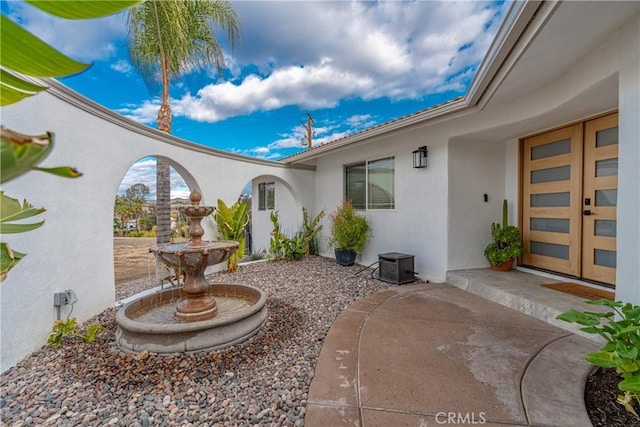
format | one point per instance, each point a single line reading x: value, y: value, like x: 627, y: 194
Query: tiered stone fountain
x: 199, y: 315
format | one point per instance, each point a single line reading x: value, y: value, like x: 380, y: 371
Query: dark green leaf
x: 590, y: 330
x: 605, y: 302
x: 625, y: 351
x: 630, y: 383
x: 625, y: 365
x: 601, y: 358
x: 574, y: 316
x: 606, y: 315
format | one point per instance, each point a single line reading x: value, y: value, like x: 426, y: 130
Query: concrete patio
x: 434, y: 354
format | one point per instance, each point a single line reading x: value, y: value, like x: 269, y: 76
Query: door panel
x: 600, y: 199
x: 552, y: 165
x: 569, y: 183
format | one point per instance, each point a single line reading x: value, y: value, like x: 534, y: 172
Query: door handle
x: 586, y: 212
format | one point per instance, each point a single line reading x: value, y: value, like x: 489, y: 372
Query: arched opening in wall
x: 135, y: 223
x: 272, y: 194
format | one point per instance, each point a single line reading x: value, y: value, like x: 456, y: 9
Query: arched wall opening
x: 269, y: 194
x: 134, y: 216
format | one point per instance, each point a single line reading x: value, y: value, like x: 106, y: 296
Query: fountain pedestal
x: 198, y: 316
x: 193, y: 258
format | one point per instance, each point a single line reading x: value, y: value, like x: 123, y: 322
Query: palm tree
x: 170, y: 39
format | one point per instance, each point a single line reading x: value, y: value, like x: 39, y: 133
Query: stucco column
x: 628, y: 238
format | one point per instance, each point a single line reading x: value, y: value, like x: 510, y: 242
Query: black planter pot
x: 345, y: 257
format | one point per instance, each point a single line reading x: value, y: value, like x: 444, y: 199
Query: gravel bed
x: 263, y: 381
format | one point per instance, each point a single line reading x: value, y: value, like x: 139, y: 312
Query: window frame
x: 266, y: 196
x: 365, y: 206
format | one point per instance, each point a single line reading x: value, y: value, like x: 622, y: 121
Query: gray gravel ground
x: 263, y: 381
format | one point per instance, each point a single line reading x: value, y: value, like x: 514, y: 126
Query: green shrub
x: 69, y: 327
x: 283, y: 247
x: 622, y: 348
x: 349, y: 230
x: 231, y: 222
x: 310, y: 229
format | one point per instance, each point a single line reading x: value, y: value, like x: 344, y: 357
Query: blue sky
x: 350, y: 64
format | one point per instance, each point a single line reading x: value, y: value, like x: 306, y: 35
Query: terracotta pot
x: 505, y: 266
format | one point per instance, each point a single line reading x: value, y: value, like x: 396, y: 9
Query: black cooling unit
x: 396, y: 268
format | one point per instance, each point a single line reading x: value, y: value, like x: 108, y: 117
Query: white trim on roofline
x: 522, y: 23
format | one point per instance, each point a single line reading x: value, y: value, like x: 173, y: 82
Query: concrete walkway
x: 432, y: 354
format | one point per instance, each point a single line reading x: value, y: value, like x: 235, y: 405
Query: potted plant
x: 349, y: 233
x: 506, y: 245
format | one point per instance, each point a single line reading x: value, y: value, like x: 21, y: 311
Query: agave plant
x: 23, y: 55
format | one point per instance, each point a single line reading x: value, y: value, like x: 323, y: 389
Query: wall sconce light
x: 420, y: 157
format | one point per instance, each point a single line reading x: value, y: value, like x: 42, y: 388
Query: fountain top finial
x: 195, y: 197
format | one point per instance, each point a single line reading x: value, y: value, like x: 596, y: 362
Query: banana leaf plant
x: 230, y: 222
x: 23, y: 56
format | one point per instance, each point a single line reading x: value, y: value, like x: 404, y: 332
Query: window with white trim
x: 266, y: 195
x: 371, y: 185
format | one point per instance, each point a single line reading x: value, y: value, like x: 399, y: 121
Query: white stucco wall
x: 417, y: 225
x: 475, y: 169
x: 74, y: 249
x: 628, y: 271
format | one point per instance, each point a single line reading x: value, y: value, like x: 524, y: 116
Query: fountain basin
x: 195, y: 256
x: 148, y: 323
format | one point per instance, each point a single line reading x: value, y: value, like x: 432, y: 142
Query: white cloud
x: 315, y: 54
x: 146, y: 113
x: 122, y: 66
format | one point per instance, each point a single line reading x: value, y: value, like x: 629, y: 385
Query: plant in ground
x: 278, y: 238
x: 310, y: 229
x: 69, y: 327
x: 622, y: 349
x: 303, y: 243
x: 231, y: 222
x: 281, y: 246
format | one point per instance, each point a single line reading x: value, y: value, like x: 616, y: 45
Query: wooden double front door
x: 569, y: 193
